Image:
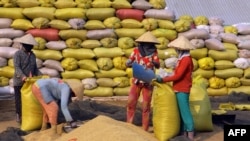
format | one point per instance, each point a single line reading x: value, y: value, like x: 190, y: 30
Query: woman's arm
x: 179, y: 71
x: 65, y: 95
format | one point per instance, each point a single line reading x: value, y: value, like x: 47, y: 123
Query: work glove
x: 159, y: 79
x: 129, y: 63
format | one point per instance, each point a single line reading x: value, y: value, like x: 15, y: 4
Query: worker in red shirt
x: 145, y: 55
x: 182, y: 83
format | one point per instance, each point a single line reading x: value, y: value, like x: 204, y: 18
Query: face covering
x: 146, y: 49
x: 27, y: 47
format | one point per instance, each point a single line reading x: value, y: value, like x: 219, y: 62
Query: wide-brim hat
x: 181, y: 43
x: 27, y: 39
x: 147, y: 37
x: 76, y: 86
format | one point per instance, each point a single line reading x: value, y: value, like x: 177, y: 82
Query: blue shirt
x: 54, y: 89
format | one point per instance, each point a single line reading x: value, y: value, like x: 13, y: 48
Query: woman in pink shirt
x: 182, y: 83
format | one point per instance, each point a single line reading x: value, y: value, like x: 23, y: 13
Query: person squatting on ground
x: 51, y: 93
x: 182, y: 83
x: 146, y: 55
x: 25, y: 66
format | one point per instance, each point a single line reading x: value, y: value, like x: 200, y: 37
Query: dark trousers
x: 18, y: 101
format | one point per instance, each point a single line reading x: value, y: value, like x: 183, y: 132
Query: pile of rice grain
x: 104, y: 128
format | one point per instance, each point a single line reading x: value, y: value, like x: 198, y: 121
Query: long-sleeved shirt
x: 182, y: 76
x: 25, y: 65
x: 55, y: 89
x: 146, y: 61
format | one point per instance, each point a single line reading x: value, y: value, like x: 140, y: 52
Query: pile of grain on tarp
x: 103, y: 128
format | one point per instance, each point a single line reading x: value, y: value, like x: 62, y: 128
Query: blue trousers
x: 187, y: 122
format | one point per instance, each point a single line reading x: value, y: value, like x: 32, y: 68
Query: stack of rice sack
x: 7, y: 50
x: 87, y: 40
x: 220, y: 55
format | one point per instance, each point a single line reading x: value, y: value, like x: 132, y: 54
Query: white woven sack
x: 241, y: 63
x: 56, y: 45
x: 10, y: 33
x: 5, y: 42
x: 7, y: 52
x: 5, y: 22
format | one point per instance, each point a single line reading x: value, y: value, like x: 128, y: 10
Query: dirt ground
x: 7, y: 119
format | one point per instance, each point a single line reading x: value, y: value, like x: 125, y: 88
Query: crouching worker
x: 50, y: 93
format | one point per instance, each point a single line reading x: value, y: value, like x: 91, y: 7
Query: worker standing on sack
x: 25, y: 66
x: 145, y: 55
x: 53, y: 93
x: 182, y: 83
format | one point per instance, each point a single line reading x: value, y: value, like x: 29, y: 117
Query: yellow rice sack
x: 48, y: 54
x: 77, y: 74
x: 204, y: 73
x: 166, y: 119
x: 59, y: 24
x: 240, y: 89
x: 216, y: 82
x: 106, y: 82
x: 223, y: 55
x: 100, y: 13
x: 36, y: 12
x: 130, y: 32
x: 31, y: 108
x: 131, y: 23
x: 27, y: 3
x: 200, y: 105
x: 167, y: 33
x: 112, y: 22
x: 165, y: 24
x: 78, y: 54
x: 121, y: 91
x: 226, y: 73
x: 245, y: 82
x: 233, y: 82
x: 223, y: 64
x: 59, y: 4
x: 22, y: 24
x: 94, y: 24
x: 110, y: 73
x: 7, y: 71
x: 206, y: 63
x: 69, y: 13
x: 101, y: 4
x: 72, y: 33
x: 120, y: 62
x: 88, y: 64
x: 217, y: 92
x: 69, y: 64
x: 12, y: 13
x: 99, y: 92
x: 90, y: 44
x: 108, y: 52
x: 199, y: 53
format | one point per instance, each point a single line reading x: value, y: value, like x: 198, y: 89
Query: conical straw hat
x: 27, y: 39
x: 76, y: 86
x: 147, y: 37
x: 181, y: 43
